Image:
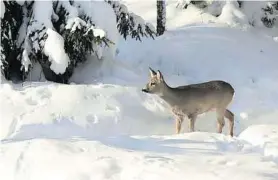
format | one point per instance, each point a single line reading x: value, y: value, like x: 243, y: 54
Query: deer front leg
x: 179, y: 120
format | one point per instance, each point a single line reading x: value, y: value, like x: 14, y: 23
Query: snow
x: 137, y: 21
x: 54, y: 49
x: 96, y: 9
x: 99, y: 33
x: 123, y: 8
x: 262, y: 138
x: 42, y: 12
x: 74, y: 23
x: 2, y: 9
x: 20, y: 2
x: 105, y: 128
x: 24, y: 41
x: 25, y: 61
x: 215, y: 7
x: 73, y: 12
x: 232, y: 15
x: 244, y: 115
x: 182, y: 3
x: 36, y: 73
x: 23, y: 28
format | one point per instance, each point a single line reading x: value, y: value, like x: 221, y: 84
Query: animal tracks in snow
x: 30, y: 101
x: 38, y: 97
x: 222, y: 161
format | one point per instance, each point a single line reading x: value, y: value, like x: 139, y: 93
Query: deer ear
x: 152, y: 72
x: 159, y: 75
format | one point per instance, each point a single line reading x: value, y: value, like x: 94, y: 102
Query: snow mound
x: 232, y: 15
x: 264, y: 138
x: 54, y: 49
x: 45, y: 110
x: 152, y: 157
x: 260, y: 134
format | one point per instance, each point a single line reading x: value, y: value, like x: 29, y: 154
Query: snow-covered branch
x: 130, y: 24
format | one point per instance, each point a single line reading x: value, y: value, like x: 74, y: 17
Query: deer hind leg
x: 179, y: 120
x: 230, y: 116
x: 220, y: 120
x: 192, y: 120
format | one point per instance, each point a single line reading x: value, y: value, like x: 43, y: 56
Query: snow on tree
x: 161, y: 17
x: 270, y: 14
x: 130, y: 24
x: 56, y: 34
x: 209, y: 6
x: 59, y: 35
x: 261, y: 13
x: 2, y: 9
x: 232, y: 15
x: 257, y: 12
x: 10, y: 24
x: 185, y: 3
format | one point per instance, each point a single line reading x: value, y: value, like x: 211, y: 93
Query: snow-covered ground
x: 105, y: 128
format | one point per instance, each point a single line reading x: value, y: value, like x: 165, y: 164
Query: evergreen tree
x: 130, y: 24
x: 57, y: 35
x: 10, y: 24
x: 63, y: 20
x: 270, y: 14
x: 161, y: 17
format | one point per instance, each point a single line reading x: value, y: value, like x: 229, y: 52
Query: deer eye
x: 152, y: 83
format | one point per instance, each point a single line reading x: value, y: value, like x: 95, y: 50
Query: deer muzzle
x: 145, y: 90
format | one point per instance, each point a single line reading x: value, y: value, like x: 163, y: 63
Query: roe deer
x: 194, y: 99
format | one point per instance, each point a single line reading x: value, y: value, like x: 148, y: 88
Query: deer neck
x: 167, y: 94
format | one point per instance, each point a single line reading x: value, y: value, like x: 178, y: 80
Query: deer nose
x: 145, y: 90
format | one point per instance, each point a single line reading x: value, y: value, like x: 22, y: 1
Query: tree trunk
x: 161, y: 17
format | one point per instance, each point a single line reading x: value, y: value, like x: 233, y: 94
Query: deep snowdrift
x: 196, y: 155
x: 63, y: 111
